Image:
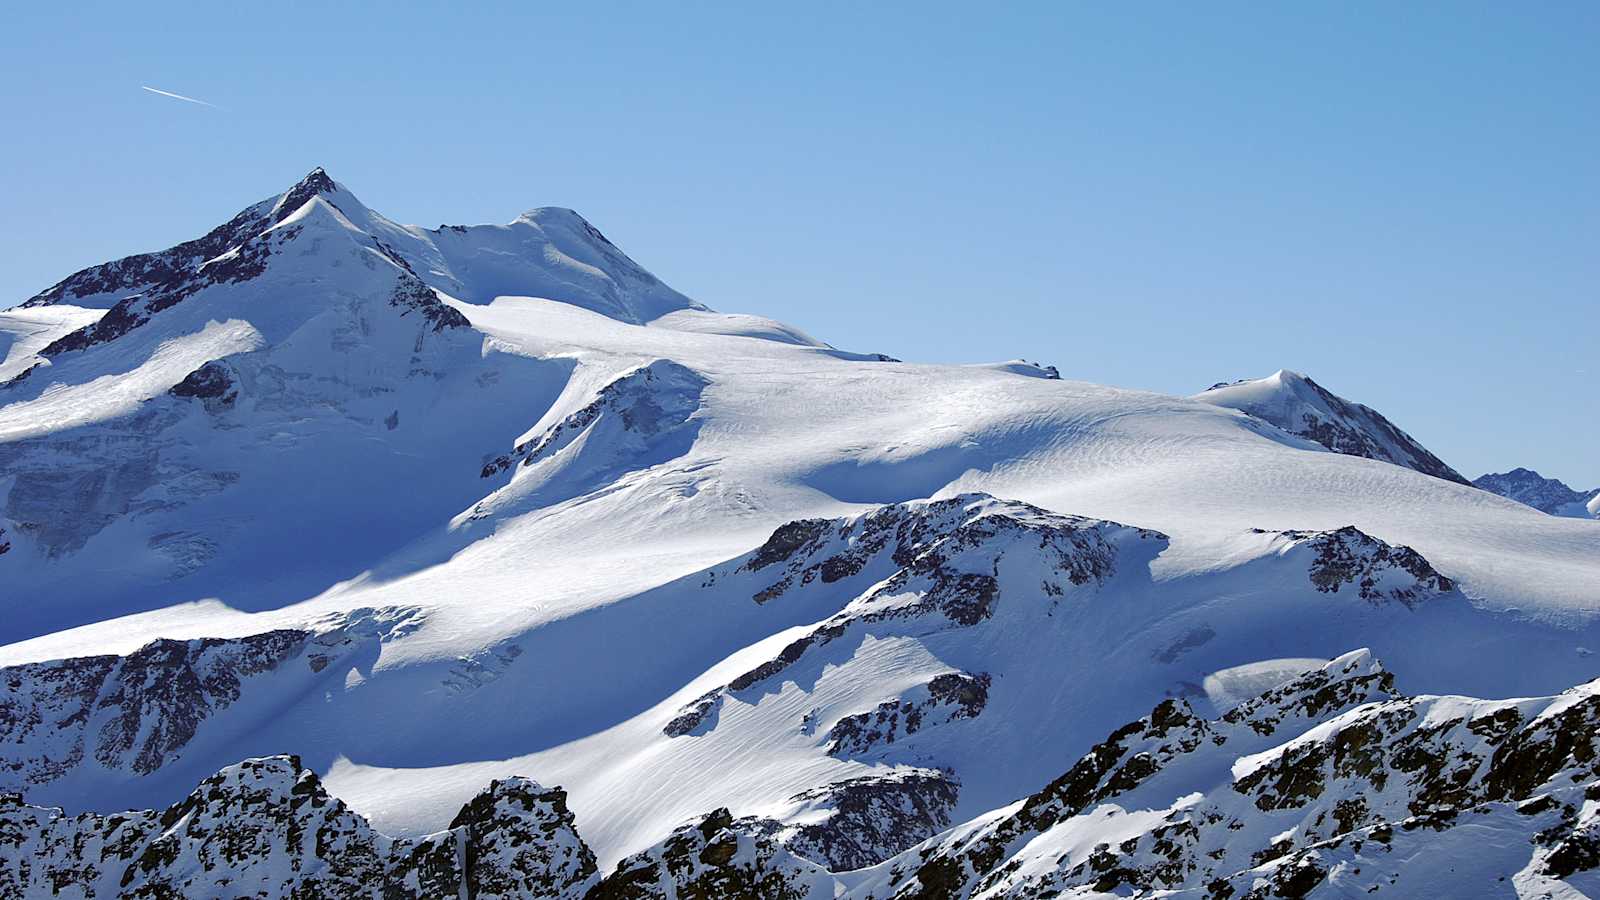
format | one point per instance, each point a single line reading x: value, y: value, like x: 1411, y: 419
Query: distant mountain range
x: 1544, y: 494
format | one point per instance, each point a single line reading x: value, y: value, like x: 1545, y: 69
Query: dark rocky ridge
x: 1336, y: 810
x: 267, y: 828
x: 945, y: 552
x: 139, y: 713
x: 166, y: 270
x: 1377, y: 571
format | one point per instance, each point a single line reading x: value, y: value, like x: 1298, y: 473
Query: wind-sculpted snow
x: 267, y: 828
x: 137, y: 713
x: 1302, y: 407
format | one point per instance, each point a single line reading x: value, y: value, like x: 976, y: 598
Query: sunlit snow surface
x: 564, y: 617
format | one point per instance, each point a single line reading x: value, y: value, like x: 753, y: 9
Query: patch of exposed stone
x: 243, y: 262
x: 1130, y: 757
x: 1335, y: 810
x: 159, y: 273
x: 411, y: 295
x: 942, y: 558
x: 267, y: 828
x: 647, y: 402
x: 214, y: 383
x: 139, y: 712
x: 951, y: 696
x: 1378, y: 572
x: 714, y: 858
x: 868, y: 819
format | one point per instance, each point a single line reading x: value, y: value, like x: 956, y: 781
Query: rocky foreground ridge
x: 1331, y: 784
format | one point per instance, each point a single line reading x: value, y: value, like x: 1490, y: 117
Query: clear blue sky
x: 1402, y: 200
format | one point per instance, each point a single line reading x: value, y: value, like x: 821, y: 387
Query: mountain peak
x: 315, y: 184
x: 1297, y: 404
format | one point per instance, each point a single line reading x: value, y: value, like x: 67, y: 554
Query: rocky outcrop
x: 215, y: 384
x: 954, y: 695
x: 140, y: 712
x: 642, y: 406
x: 942, y: 560
x: 1330, y: 784
x: 863, y: 821
x: 1375, y: 571
x: 267, y: 828
x: 411, y: 295
x: 716, y: 858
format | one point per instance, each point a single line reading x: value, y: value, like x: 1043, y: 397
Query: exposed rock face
x: 1375, y: 571
x: 215, y: 383
x: 867, y: 819
x: 267, y: 828
x: 1544, y: 494
x: 942, y: 560
x: 518, y: 841
x: 645, y: 404
x: 716, y: 858
x: 240, y: 263
x: 1330, y: 784
x: 956, y: 695
x: 412, y: 296
x: 1302, y: 407
x: 139, y: 712
x: 922, y: 538
x: 167, y: 271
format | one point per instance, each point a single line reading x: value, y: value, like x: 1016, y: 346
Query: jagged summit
x: 316, y: 182
x: 548, y: 252
x: 1302, y: 407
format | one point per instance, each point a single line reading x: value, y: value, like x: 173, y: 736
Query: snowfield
x: 512, y: 507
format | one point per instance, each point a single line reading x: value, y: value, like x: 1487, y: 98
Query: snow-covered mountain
x: 435, y: 509
x: 1330, y: 783
x: 1302, y: 407
x: 1544, y: 494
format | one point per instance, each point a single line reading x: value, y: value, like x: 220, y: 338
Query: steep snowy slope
x: 1302, y: 407
x: 309, y: 498
x: 1544, y: 494
x: 25, y: 332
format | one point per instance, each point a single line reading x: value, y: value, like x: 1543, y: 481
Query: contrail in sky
x: 178, y: 96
